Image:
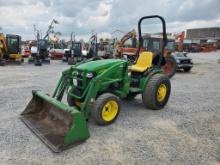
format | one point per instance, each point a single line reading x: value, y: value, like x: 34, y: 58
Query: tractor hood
x: 93, y: 66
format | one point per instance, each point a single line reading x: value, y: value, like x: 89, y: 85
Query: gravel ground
x: 186, y: 131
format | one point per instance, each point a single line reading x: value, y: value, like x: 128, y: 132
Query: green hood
x: 97, y: 65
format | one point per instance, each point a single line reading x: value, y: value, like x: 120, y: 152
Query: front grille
x: 185, y: 61
x: 67, y: 52
x: 79, y: 76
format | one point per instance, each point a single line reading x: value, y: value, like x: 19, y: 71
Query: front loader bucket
x: 58, y: 125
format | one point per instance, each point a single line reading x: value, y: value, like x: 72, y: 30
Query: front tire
x: 37, y: 62
x: 106, y: 109
x: 157, y: 92
x: 187, y: 69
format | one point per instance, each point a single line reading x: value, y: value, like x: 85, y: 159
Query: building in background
x: 204, y: 35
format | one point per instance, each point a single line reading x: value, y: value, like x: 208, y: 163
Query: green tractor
x: 93, y: 88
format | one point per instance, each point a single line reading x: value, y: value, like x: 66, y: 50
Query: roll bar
x: 141, y: 38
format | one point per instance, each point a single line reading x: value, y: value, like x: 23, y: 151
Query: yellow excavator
x: 10, y: 49
x: 121, y: 47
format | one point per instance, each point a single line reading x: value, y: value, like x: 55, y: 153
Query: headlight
x: 75, y: 82
x: 178, y: 61
x: 75, y: 73
x: 89, y: 75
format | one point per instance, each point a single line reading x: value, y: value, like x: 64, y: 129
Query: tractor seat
x: 143, y: 63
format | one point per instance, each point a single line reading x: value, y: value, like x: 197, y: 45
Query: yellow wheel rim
x: 161, y: 92
x: 110, y: 110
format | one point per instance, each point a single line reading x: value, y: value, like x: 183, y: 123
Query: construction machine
x: 208, y: 47
x: 93, y: 47
x: 180, y: 40
x: 126, y: 50
x: 105, y: 49
x: 93, y: 88
x: 75, y: 53
x: 56, y: 50
x: 10, y: 49
x: 41, y: 53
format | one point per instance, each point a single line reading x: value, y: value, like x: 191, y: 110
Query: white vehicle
x: 56, y: 53
x: 33, y: 50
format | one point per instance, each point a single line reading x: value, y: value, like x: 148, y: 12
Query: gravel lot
x: 186, y: 131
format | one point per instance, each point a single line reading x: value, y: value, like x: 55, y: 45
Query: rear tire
x: 106, y: 109
x: 187, y: 69
x: 157, y: 92
x: 170, y: 66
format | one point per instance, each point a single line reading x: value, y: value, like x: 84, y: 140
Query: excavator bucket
x: 58, y: 125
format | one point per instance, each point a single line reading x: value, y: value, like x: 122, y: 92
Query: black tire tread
x: 187, y: 69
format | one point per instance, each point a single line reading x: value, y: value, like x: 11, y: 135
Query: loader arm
x: 99, y: 83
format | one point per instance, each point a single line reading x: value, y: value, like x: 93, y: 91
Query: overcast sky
x: 103, y: 16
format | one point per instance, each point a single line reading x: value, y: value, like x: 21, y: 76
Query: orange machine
x: 123, y: 49
x: 180, y: 37
x: 208, y: 47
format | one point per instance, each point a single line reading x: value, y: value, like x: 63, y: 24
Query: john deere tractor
x: 93, y: 88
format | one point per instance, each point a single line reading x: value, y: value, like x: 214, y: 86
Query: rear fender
x: 144, y: 80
